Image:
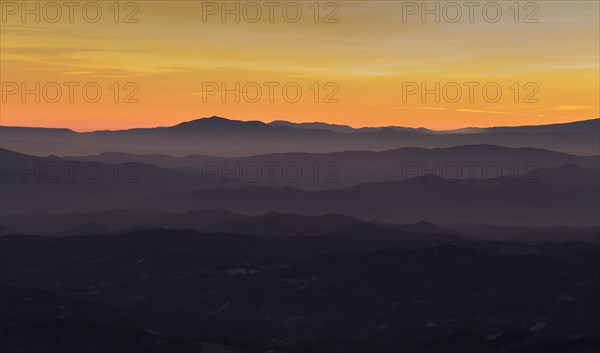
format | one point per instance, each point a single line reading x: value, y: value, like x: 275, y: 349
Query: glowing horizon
x: 368, y: 57
x: 296, y: 122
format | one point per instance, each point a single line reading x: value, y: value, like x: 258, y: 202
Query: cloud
x: 572, y: 107
x: 483, y: 111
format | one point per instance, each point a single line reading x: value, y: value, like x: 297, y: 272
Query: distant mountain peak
x: 210, y: 120
x: 217, y: 122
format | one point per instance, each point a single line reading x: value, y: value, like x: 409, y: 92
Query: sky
x: 97, y: 65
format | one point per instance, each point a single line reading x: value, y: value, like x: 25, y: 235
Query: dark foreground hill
x: 275, y: 224
x: 165, y: 291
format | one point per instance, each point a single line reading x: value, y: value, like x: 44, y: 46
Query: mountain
x: 272, y: 224
x: 87, y: 228
x: 223, y: 137
x: 319, y: 126
x: 566, y: 195
x: 60, y: 223
x: 38, y: 184
x: 423, y: 227
x: 276, y: 224
x: 343, y: 128
x: 588, y: 235
x: 526, y: 234
x: 591, y: 126
x: 279, y: 224
x: 371, y: 188
x: 160, y: 160
x: 342, y: 169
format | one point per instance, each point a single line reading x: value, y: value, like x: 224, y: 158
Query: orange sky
x: 172, y: 57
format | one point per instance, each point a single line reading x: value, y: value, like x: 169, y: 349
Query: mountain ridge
x: 218, y: 121
x: 233, y: 138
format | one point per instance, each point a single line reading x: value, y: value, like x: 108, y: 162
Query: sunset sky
x: 172, y: 52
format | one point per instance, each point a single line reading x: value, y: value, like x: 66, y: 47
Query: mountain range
x: 222, y: 137
x: 561, y: 196
x: 218, y: 235
x: 558, y: 193
x: 275, y: 224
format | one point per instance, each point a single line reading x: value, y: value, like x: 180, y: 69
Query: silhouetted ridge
x: 219, y: 123
x: 223, y: 137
